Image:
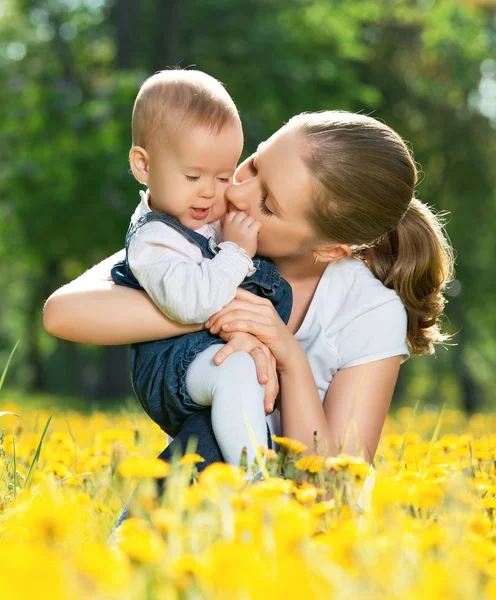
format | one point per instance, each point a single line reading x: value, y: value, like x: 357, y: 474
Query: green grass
x: 68, y: 403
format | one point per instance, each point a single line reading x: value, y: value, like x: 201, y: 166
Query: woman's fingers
x: 223, y: 319
x: 256, y: 328
x: 242, y: 294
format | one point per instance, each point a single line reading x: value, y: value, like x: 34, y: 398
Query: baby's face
x: 187, y: 179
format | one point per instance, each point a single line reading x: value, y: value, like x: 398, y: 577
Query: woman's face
x: 275, y: 187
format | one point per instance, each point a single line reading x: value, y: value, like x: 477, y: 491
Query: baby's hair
x: 364, y: 183
x: 176, y: 100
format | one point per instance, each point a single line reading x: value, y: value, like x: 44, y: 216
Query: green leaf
x: 36, y: 458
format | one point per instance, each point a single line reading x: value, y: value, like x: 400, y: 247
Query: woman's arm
x: 93, y: 310
x: 354, y: 409
x: 358, y: 398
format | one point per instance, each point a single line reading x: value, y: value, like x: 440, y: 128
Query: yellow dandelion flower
x: 290, y: 522
x: 137, y: 466
x: 57, y: 470
x: 312, y: 463
x: 322, y: 508
x: 235, y: 570
x: 307, y: 495
x: 82, y: 499
x: 294, y: 446
x: 165, y: 520
x: 193, y: 497
x: 191, y: 459
x: 187, y: 563
x: 342, y: 461
x: 360, y: 470
x: 107, y: 567
x: 488, y: 502
x: 273, y: 486
x: 426, y: 495
x: 480, y: 525
x: 222, y: 474
x: 138, y: 542
x: 270, y: 456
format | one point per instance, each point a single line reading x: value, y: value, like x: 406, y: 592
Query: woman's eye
x: 251, y: 166
x: 263, y: 208
x: 192, y: 177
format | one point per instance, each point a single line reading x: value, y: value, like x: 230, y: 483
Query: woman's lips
x: 199, y: 213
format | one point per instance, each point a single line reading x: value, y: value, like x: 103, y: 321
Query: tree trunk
x: 169, y: 17
x: 124, y: 18
x: 42, y: 287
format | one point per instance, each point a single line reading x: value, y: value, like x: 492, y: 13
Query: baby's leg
x: 233, y: 391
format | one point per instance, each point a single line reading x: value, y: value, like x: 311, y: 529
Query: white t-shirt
x: 353, y: 319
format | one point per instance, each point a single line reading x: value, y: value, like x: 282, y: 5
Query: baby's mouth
x: 199, y: 213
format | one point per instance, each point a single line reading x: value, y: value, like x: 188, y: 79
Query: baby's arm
x: 94, y: 310
x: 185, y: 286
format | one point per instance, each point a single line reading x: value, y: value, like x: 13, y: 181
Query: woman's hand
x: 250, y: 314
x: 265, y: 363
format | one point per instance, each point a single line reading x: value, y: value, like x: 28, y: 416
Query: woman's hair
x: 364, y: 186
x: 174, y: 100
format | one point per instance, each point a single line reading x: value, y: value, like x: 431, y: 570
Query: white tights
x: 233, y: 392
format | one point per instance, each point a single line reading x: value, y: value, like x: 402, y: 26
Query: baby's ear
x: 139, y: 161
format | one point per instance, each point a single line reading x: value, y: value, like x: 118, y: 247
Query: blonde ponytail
x: 416, y: 260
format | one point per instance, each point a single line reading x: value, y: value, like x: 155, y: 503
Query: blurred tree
x: 71, y: 68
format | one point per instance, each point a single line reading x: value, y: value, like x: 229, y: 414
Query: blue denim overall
x: 158, y: 369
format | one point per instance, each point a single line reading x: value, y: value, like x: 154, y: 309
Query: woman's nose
x: 236, y: 195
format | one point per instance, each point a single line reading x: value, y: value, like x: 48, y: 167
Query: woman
x: 367, y: 263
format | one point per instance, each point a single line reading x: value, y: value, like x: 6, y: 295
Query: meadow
x: 419, y: 523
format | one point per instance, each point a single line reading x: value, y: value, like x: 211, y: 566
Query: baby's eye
x: 224, y: 179
x: 192, y: 177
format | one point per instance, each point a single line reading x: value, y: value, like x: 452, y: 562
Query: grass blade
x: 15, y: 470
x: 7, y: 365
x: 36, y: 458
x: 6, y: 412
x: 414, y: 414
x: 434, y: 437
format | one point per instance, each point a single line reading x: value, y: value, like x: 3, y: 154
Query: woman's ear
x: 139, y: 161
x: 326, y: 254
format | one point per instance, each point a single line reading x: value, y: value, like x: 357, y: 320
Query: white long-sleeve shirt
x: 185, y: 286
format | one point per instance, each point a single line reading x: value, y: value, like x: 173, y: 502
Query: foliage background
x: 69, y: 72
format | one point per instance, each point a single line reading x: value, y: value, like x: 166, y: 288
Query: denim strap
x: 266, y: 275
x: 208, y: 246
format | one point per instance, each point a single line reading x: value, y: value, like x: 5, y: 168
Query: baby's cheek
x: 220, y: 209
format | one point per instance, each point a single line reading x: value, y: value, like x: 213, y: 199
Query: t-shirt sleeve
x: 374, y: 335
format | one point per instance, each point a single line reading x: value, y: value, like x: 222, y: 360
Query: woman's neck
x: 299, y: 268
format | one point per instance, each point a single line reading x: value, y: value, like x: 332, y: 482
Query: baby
x: 187, y: 140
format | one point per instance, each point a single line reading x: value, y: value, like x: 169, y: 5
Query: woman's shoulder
x: 363, y: 320
x: 350, y: 290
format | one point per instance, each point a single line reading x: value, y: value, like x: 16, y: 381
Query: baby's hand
x: 243, y: 231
